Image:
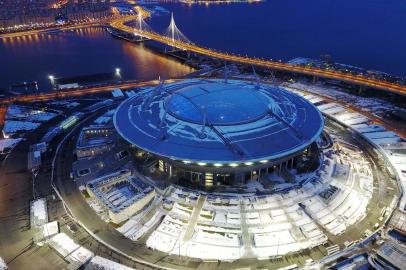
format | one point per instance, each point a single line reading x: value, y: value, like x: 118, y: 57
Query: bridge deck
x: 345, y: 77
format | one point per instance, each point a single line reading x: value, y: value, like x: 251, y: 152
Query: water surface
x: 364, y: 33
x: 80, y: 52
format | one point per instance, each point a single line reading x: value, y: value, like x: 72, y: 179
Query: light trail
x: 56, y: 28
x: 46, y: 96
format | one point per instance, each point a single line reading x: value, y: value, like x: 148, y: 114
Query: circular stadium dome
x: 210, y: 122
x: 217, y: 104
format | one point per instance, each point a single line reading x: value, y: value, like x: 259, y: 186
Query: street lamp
x: 118, y: 72
x: 51, y: 78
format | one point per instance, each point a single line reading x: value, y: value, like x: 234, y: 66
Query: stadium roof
x: 217, y: 122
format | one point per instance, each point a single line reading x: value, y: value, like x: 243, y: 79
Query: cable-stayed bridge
x: 174, y: 33
x: 173, y: 37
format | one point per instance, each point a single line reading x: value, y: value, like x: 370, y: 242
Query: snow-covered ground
x: 23, y: 118
x: 66, y: 104
x: 365, y: 103
x: 276, y: 222
x: 69, y: 250
x: 3, y: 264
x: 17, y: 112
x: 105, y: 118
x: 117, y: 93
x: 98, y: 262
x: 391, y: 145
x: 39, y: 212
x: 11, y: 127
x: 9, y: 143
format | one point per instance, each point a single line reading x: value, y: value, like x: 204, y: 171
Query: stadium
x: 220, y: 132
x: 248, y: 171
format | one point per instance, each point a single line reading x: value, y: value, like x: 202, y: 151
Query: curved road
x: 77, y: 92
x: 120, y: 24
x: 55, y: 28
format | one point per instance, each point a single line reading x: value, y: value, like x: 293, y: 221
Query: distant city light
x: 229, y: 196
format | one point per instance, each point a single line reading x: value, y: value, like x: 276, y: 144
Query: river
x: 364, y: 33
x: 80, y: 52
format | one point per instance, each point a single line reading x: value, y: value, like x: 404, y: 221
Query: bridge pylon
x: 141, y: 26
x: 175, y: 34
x: 172, y: 28
x: 140, y: 20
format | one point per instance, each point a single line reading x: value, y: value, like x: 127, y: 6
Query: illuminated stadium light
x: 226, y: 113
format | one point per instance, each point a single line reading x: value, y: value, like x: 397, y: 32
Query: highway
x: 55, y: 28
x: 77, y: 92
x: 46, y: 96
x: 120, y: 24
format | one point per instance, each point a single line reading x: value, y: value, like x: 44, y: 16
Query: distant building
x: 42, y: 147
x: 94, y: 140
x: 34, y: 160
x: 120, y: 194
x: 391, y: 255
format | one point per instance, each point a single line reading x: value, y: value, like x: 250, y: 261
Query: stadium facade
x: 213, y: 132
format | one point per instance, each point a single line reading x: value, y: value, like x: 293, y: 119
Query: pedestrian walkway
x: 195, y: 215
